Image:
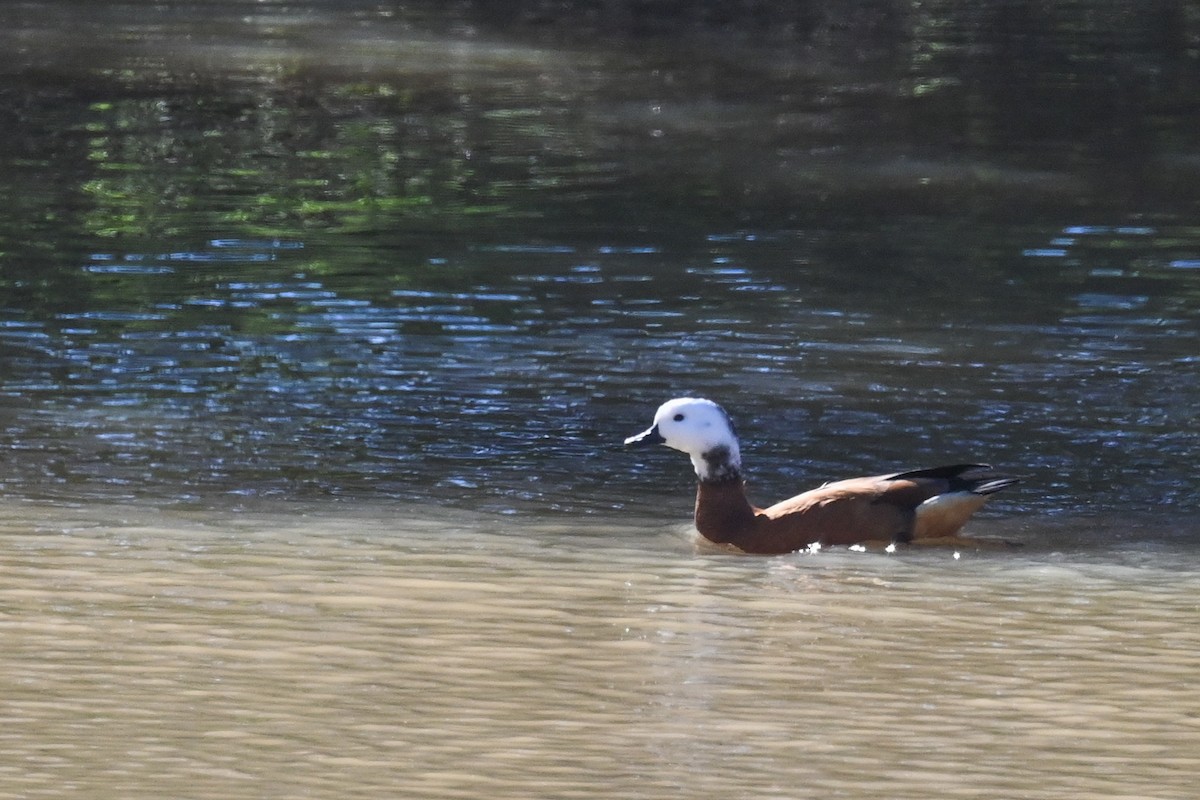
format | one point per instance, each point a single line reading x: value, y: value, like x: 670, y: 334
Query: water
x: 321, y: 326
x: 301, y: 652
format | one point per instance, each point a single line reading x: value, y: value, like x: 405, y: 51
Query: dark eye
x: 678, y: 417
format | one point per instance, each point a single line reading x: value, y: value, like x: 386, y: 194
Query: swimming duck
x: 921, y: 505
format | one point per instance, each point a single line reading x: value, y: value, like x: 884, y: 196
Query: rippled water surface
x: 310, y: 653
x: 321, y: 325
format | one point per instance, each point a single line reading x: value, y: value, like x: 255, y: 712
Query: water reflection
x: 288, y: 272
x: 173, y: 374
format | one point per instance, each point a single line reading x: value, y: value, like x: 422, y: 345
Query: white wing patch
x: 943, y: 515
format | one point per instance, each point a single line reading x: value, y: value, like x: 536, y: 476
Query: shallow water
x: 321, y: 325
x: 310, y: 652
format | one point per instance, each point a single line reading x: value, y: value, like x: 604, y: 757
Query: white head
x: 700, y: 428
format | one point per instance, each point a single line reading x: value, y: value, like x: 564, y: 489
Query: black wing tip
x: 974, y: 478
x: 945, y: 472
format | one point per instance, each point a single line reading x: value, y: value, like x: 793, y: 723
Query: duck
x: 920, y: 506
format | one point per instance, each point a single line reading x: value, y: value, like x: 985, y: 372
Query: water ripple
x: 262, y: 649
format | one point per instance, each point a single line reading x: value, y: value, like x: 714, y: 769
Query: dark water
x: 363, y: 252
x: 321, y: 325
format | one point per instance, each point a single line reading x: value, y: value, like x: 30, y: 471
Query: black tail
x: 974, y: 478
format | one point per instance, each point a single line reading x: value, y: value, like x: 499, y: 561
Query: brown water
x: 321, y: 325
x: 310, y: 653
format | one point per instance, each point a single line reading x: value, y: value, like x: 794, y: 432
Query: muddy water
x: 319, y: 654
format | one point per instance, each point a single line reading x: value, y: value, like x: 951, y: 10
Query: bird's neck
x: 723, y: 514
x: 721, y: 463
